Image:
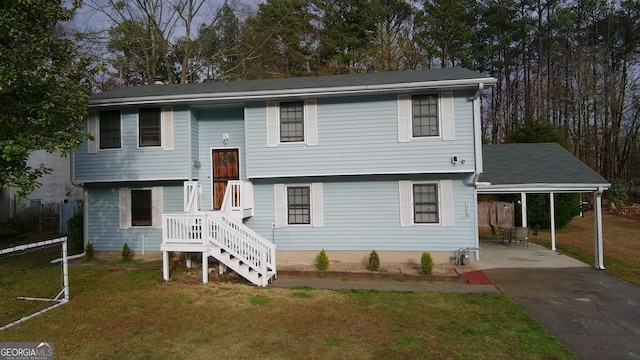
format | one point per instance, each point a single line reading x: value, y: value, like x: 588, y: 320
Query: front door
x: 225, y: 167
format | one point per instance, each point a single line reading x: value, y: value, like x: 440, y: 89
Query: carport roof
x: 535, y: 168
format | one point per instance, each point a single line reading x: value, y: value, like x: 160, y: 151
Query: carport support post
x: 205, y: 267
x: 552, y: 212
x: 523, y: 200
x: 597, y: 223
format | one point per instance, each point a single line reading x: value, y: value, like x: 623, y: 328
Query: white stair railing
x: 183, y: 229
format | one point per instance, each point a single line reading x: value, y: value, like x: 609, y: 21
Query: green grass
x: 127, y: 312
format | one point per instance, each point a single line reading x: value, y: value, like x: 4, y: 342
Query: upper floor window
x: 149, y: 124
x: 425, y: 115
x: 292, y: 121
x: 298, y: 205
x: 110, y: 134
x: 425, y: 203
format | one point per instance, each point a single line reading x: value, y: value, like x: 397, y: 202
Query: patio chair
x: 495, y: 235
x: 522, y: 236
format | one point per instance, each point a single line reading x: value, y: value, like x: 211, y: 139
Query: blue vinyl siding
x: 131, y: 163
x: 359, y: 135
x: 104, y: 218
x: 361, y: 214
x: 212, y: 123
x: 195, y: 143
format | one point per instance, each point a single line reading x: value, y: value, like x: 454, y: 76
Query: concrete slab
x: 495, y: 255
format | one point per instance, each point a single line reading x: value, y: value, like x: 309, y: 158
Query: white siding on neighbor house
x: 104, y: 225
x: 363, y: 213
x: 132, y: 163
x: 212, y: 124
x: 359, y: 135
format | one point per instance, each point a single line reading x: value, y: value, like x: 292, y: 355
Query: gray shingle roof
x: 538, y: 163
x: 288, y: 84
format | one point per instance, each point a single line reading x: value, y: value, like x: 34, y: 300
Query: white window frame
x: 166, y: 128
x: 310, y: 123
x: 93, y: 128
x: 161, y: 137
x: 156, y: 207
x: 445, y: 196
x: 281, y: 202
x: 445, y: 117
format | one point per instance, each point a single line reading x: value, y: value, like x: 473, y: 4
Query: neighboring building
x: 56, y: 188
x: 348, y: 163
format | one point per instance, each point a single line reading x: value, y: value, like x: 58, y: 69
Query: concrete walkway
x: 594, y: 314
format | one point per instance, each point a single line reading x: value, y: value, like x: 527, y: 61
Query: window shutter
x: 446, y: 202
x: 156, y: 196
x: 272, y: 124
x: 167, y: 128
x: 446, y: 110
x: 404, y: 122
x: 125, y: 208
x: 317, y: 213
x: 406, y: 208
x: 280, y: 211
x: 92, y: 129
x: 311, y: 120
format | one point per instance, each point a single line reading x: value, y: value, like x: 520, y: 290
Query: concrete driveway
x: 593, y: 313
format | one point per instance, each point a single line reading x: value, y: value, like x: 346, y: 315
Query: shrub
x: 126, y: 253
x: 89, y: 251
x: 426, y: 264
x: 618, y: 192
x: 322, y: 261
x: 374, y: 261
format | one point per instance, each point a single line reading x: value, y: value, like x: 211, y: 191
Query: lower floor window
x: 425, y: 203
x: 141, y: 208
x: 298, y: 205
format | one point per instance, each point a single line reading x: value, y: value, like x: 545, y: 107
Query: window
x: 110, y: 129
x: 149, y: 127
x: 425, y: 203
x: 425, y: 115
x: 292, y: 121
x: 298, y: 205
x: 141, y: 208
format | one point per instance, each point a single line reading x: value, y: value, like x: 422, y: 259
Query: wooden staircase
x: 222, y: 235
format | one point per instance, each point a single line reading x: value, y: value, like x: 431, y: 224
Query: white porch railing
x: 227, y: 240
x: 238, y: 199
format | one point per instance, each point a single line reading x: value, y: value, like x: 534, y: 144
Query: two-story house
x: 234, y: 170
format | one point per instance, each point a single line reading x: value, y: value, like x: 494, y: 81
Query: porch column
x: 165, y: 265
x: 205, y: 267
x: 552, y: 212
x: 597, y: 223
x: 523, y: 200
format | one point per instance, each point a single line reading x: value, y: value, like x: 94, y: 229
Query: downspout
x: 477, y: 139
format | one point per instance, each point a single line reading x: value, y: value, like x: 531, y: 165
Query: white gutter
x: 268, y: 94
x: 486, y: 188
x: 477, y: 133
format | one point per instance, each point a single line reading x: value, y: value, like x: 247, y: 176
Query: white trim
x: 273, y: 120
x: 125, y: 207
x: 429, y: 137
x: 304, y: 124
x: 181, y: 178
x: 311, y: 122
x: 166, y: 127
x: 418, y: 172
x: 404, y: 103
x: 406, y: 202
x: 92, y: 130
x: 317, y: 205
x: 280, y: 206
x: 446, y: 115
x: 271, y: 94
x: 539, y: 188
x: 157, y: 201
x: 445, y: 192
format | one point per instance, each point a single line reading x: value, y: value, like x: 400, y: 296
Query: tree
x: 43, y: 94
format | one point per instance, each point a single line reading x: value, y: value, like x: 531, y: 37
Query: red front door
x: 225, y: 167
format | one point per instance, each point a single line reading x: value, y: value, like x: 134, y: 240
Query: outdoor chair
x: 522, y: 236
x: 495, y: 235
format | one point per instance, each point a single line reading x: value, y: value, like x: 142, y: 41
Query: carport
x: 541, y: 168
